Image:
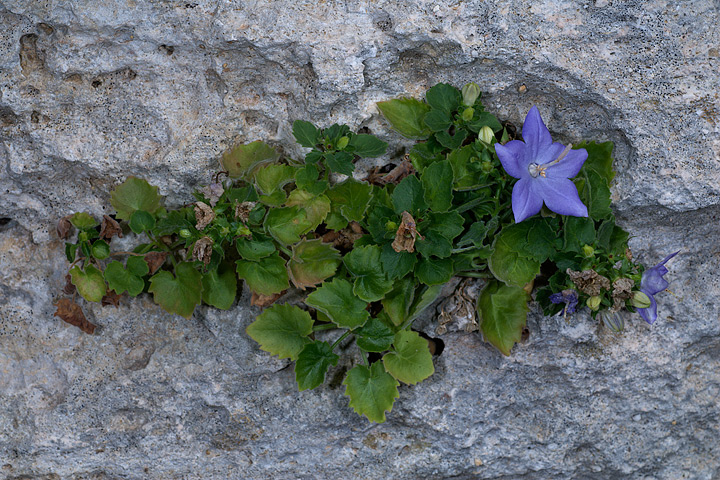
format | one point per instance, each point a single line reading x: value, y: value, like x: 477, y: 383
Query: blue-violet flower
x: 569, y: 297
x: 544, y: 169
x: 652, y: 283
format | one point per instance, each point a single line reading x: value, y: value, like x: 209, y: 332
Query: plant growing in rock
x: 369, y: 256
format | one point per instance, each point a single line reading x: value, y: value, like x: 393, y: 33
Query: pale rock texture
x: 93, y: 91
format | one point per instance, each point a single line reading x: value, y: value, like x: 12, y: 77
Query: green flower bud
x: 83, y: 237
x: 391, y: 226
x: 468, y: 113
x: 640, y: 300
x: 185, y: 233
x: 588, y: 250
x: 470, y: 93
x: 487, y: 167
x: 242, y: 231
x: 342, y: 143
x: 486, y: 135
x: 593, y: 303
x: 613, y: 321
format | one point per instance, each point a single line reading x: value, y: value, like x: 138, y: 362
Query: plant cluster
x: 369, y: 256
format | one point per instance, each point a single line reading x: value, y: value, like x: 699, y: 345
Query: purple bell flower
x: 544, y: 169
x: 569, y: 297
x: 651, y: 284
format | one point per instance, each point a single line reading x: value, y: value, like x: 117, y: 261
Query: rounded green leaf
x: 406, y: 116
x: 100, y: 249
x: 352, y: 198
x: 312, y: 262
x: 337, y: 300
x: 306, y: 133
x: 120, y: 280
x: 316, y: 206
x: 367, y: 146
x: 287, y: 224
x: 312, y: 364
x: 508, y: 261
x: 137, y: 266
x: 411, y: 360
x: 374, y: 336
x: 220, y: 287
x: 141, y: 221
x: 434, y: 271
x: 409, y: 196
x: 256, y: 248
x: 443, y: 97
x: 437, y: 180
x: 243, y: 159
x: 503, y: 310
x: 371, y: 283
x: 267, y: 276
x: 90, y: 283
x: 180, y: 293
x: 83, y: 221
x: 134, y: 194
x: 282, y: 330
x: 372, y: 391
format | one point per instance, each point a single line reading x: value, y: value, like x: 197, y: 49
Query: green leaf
x: 256, y: 248
x: 282, y: 330
x: 141, y: 221
x: 594, y: 193
x: 220, y: 286
x: 275, y: 199
x: 448, y: 224
x: 371, y: 283
x: 542, y: 238
x: 307, y: 179
x: 134, y: 194
x: 452, y: 141
x: 504, y: 312
x: 340, y: 162
x: 100, y: 249
x: 424, y: 297
x: 272, y: 177
x: 352, y: 197
x: 70, y: 251
x: 396, y: 264
x: 406, y: 116
x: 180, y: 293
x: 83, y: 221
x: 578, y: 231
x: 312, y: 262
x: 120, y: 280
x: 374, y: 336
x: 411, y: 360
x: 137, y: 266
x: 509, y: 262
x: 409, y: 196
x: 306, y: 133
x: 90, y: 283
x: 313, y: 363
x: 267, y: 276
x: 485, y: 119
x: 434, y: 271
x: 316, y: 206
x: 437, y: 180
x: 437, y: 120
x: 367, y: 146
x: 475, y: 236
x: 372, y: 391
x: 434, y: 244
x: 397, y: 302
x: 242, y: 160
x: 599, y: 159
x: 444, y: 97
x: 287, y: 224
x: 337, y: 300
x: 175, y: 221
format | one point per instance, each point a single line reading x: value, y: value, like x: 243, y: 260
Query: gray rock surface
x: 92, y: 91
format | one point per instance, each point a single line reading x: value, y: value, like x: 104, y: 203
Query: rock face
x: 92, y: 91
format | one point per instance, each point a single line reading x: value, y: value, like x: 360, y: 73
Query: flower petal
x: 561, y: 196
x: 649, y: 314
x: 570, y: 165
x: 652, y: 279
x: 535, y: 133
x: 512, y: 157
x: 548, y: 154
x: 525, y: 201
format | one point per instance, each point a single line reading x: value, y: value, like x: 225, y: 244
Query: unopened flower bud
x: 470, y: 93
x: 588, y: 250
x: 486, y: 135
x: 612, y: 320
x: 640, y: 300
x: 593, y: 303
x: 468, y: 113
x: 184, y: 233
x: 391, y: 226
x: 342, y: 143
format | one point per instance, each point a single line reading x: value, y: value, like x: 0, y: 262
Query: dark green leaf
x: 434, y: 271
x: 371, y: 283
x: 134, y: 194
x: 175, y: 221
x: 372, y: 391
x: 313, y: 363
x: 141, y: 221
x: 599, y: 159
x: 180, y: 293
x: 220, y: 286
x: 452, y: 141
x: 485, y: 119
x: 305, y: 133
x: 307, y: 179
x: 367, y: 146
x: 406, y: 116
x: 448, y: 224
x: 424, y: 297
x: 256, y: 248
x: 90, y: 283
x: 437, y: 120
x: 120, y: 280
x: 475, y: 236
x: 510, y: 261
x: 411, y: 360
x: 374, y: 336
x: 397, y: 302
x: 242, y: 160
x: 444, y: 97
x: 267, y: 276
x: 434, y: 244
x: 396, y: 264
x: 437, y: 180
x: 542, y: 239
x: 578, y: 231
x: 70, y: 252
x: 340, y: 162
x: 352, y: 197
x: 282, y: 330
x: 337, y: 300
x: 100, y: 249
x: 137, y: 266
x: 409, y: 196
x: 504, y: 312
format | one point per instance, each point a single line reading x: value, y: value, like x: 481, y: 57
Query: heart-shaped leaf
x: 180, y: 293
x: 132, y: 195
x: 372, y: 391
x: 282, y: 330
x: 411, y: 360
x: 337, y: 300
x: 504, y: 313
x: 312, y: 364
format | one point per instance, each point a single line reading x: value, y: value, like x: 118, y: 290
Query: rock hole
x: 35, y: 116
x: 96, y: 83
x: 168, y: 49
x: 436, y: 345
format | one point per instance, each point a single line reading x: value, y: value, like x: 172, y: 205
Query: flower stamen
x: 536, y: 169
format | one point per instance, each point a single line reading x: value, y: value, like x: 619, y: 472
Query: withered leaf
x: 259, y: 300
x: 202, y: 250
x: 406, y: 234
x: 63, y: 227
x: 111, y: 298
x: 155, y: 260
x: 622, y: 290
x: 69, y: 288
x: 395, y: 175
x: 589, y: 281
x: 344, y: 239
x: 71, y: 312
x: 213, y: 192
x: 242, y: 210
x: 204, y: 214
x: 109, y: 228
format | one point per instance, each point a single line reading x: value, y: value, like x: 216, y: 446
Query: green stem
x: 473, y: 274
x: 324, y: 326
x: 342, y: 337
x: 285, y: 251
x: 365, y: 358
x: 464, y: 249
x: 471, y: 204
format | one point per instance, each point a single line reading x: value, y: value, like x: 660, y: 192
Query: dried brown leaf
x: 242, y: 210
x: 109, y: 228
x: 395, y: 175
x: 70, y: 312
x: 63, y: 227
x: 204, y: 214
x: 406, y: 234
x: 622, y: 291
x: 202, y: 251
x: 263, y: 301
x: 111, y: 298
x: 69, y: 288
x: 155, y: 260
x: 589, y: 281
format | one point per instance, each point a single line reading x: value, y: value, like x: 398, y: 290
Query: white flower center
x: 536, y: 169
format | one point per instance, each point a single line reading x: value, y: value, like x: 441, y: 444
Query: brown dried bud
x: 589, y: 281
x: 406, y: 235
x: 213, y: 192
x: 63, y: 227
x: 109, y: 228
x: 622, y: 290
x: 242, y: 210
x: 204, y: 214
x: 202, y: 251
